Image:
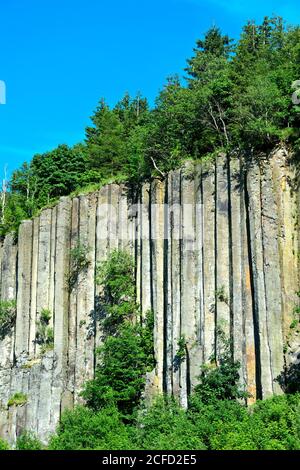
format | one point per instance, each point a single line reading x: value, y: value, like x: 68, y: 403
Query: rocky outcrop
x: 216, y: 245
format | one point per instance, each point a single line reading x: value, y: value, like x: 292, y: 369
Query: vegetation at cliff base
x: 28, y: 441
x: 3, y: 445
x: 217, y: 424
x: 234, y: 96
x: 116, y: 414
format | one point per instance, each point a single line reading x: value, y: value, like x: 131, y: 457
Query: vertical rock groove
x: 231, y: 247
x: 209, y: 276
x: 166, y: 289
x: 257, y: 352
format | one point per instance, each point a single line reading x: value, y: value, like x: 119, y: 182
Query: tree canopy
x: 236, y: 95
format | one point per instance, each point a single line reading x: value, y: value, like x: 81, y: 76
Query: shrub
x: 3, y: 445
x: 118, y: 300
x: 219, y: 380
x: 120, y: 377
x: 8, y: 313
x: 127, y: 352
x: 275, y: 423
x: 180, y: 353
x: 18, y: 399
x: 210, y: 419
x: 45, y: 316
x: 221, y: 295
x: 79, y: 263
x: 83, y: 429
x: 28, y: 441
x: 271, y: 424
x: 116, y: 275
x: 166, y: 426
x: 45, y: 334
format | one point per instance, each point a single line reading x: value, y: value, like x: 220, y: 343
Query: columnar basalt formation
x: 216, y: 245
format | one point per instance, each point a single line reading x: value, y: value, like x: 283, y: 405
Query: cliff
x: 215, y: 244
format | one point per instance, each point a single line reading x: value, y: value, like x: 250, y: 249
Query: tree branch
x: 156, y: 167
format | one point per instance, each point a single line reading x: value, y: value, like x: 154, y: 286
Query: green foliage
x: 14, y: 212
x: 3, y: 445
x: 294, y: 323
x: 268, y: 425
x: 289, y: 378
x: 180, y: 354
x: 212, y: 417
x: 219, y: 380
x: 127, y: 351
x: 8, y: 312
x: 272, y: 424
x: 116, y: 275
x: 216, y: 418
x: 165, y: 425
x: 28, y: 441
x: 79, y: 263
x: 18, y: 399
x: 221, y: 295
x: 213, y: 45
x: 120, y: 376
x: 44, y: 333
x: 109, y: 140
x: 45, y: 316
x: 50, y: 176
x: 41, y: 182
x: 83, y: 429
x: 236, y: 97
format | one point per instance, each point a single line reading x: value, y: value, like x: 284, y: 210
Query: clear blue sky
x: 58, y: 57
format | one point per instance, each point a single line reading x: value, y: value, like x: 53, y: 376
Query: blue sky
x: 58, y: 58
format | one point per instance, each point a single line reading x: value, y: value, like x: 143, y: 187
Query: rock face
x: 216, y: 245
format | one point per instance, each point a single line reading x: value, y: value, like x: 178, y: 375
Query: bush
x: 44, y: 334
x: 274, y: 423
x: 120, y: 377
x: 271, y: 424
x: 28, y: 441
x: 116, y: 275
x: 127, y: 352
x: 118, y: 300
x: 79, y: 263
x: 3, y: 445
x: 8, y: 313
x: 18, y: 399
x: 219, y: 380
x: 83, y: 429
x: 166, y: 426
x: 210, y: 419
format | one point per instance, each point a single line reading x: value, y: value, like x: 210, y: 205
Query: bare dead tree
x: 156, y: 167
x: 221, y: 114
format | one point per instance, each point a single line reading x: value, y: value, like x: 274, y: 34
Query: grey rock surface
x: 216, y: 245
